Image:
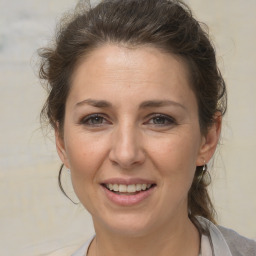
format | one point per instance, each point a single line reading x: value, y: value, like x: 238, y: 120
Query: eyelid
x: 86, y: 118
x: 171, y: 120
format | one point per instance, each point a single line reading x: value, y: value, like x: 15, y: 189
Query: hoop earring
x: 204, y: 170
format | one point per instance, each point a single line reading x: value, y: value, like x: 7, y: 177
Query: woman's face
x: 131, y: 124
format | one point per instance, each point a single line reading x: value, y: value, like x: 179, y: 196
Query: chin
x: 130, y: 225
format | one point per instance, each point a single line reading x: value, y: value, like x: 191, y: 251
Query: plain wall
x: 35, y: 218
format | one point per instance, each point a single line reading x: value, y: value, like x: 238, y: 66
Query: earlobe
x: 210, y: 141
x: 60, y: 146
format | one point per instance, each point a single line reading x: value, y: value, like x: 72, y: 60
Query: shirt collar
x: 219, y: 244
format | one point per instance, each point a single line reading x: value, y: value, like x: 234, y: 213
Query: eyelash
x: 86, y: 120
x: 168, y: 121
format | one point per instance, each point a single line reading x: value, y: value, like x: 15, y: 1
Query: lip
x: 127, y: 200
x: 128, y: 181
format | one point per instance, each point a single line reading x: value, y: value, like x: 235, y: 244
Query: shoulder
x: 225, y: 241
x: 239, y: 245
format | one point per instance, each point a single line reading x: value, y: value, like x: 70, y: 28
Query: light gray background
x: 35, y: 218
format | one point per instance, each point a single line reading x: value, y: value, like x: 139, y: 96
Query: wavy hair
x: 167, y: 25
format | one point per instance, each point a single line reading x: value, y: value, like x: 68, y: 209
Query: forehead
x: 130, y: 72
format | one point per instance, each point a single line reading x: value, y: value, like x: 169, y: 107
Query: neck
x: 180, y: 238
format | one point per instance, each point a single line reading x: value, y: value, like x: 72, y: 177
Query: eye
x: 161, y: 120
x: 94, y: 120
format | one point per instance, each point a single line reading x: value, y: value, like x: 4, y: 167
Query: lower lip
x: 128, y: 200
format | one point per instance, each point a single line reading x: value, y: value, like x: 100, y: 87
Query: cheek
x: 81, y: 158
x: 83, y: 149
x: 175, y: 157
x: 85, y: 154
x: 85, y: 158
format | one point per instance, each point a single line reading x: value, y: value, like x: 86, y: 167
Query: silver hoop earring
x: 204, y: 170
x: 204, y: 167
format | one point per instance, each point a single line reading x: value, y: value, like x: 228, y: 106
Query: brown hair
x: 164, y: 24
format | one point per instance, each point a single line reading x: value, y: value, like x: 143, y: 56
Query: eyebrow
x: 95, y: 103
x: 160, y: 103
x: 145, y: 104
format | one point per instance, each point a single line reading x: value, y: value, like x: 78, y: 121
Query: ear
x: 60, y: 146
x: 210, y: 141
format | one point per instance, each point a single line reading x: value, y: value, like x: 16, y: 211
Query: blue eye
x: 93, y: 120
x: 161, y: 120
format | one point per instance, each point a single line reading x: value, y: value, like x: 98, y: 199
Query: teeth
x: 131, y: 188
x: 138, y: 187
x: 144, y: 186
x: 115, y: 188
x: 122, y: 188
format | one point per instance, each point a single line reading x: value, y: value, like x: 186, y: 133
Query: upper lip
x: 128, y: 181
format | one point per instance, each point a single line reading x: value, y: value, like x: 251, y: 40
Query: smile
x: 128, y: 194
x: 128, y: 189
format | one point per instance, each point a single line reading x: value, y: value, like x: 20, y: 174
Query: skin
x: 127, y: 140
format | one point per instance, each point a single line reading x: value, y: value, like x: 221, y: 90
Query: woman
x: 136, y: 101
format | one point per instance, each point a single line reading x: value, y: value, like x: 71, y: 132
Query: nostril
x: 126, y: 159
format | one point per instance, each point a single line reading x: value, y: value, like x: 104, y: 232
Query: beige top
x: 230, y: 245
x: 205, y: 247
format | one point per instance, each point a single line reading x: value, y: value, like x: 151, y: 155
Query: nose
x: 127, y: 147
